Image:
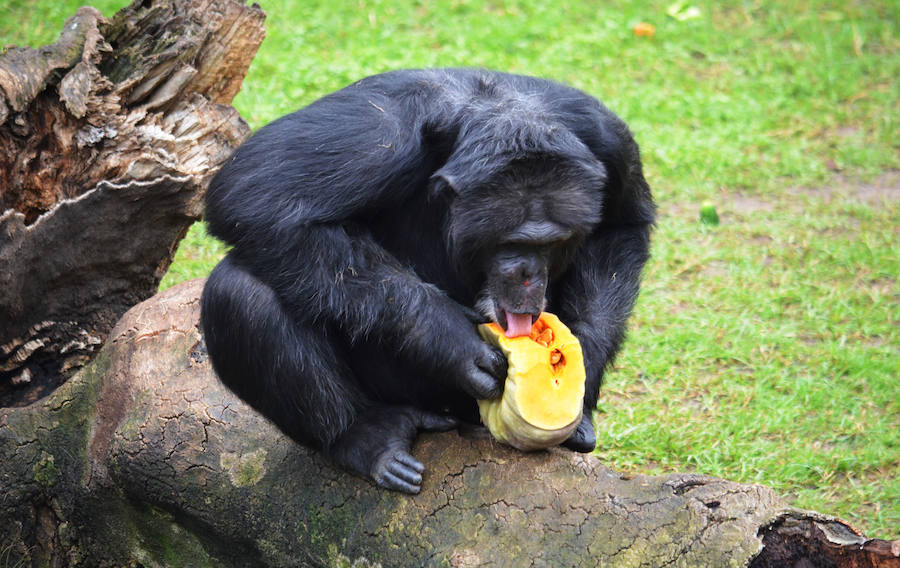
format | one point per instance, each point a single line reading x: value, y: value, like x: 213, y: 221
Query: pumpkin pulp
x: 544, y: 389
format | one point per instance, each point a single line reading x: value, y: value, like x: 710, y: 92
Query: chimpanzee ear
x: 440, y: 186
x: 466, y: 171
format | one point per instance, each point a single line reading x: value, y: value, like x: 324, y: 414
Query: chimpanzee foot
x: 377, y: 445
x: 583, y: 438
x: 399, y: 471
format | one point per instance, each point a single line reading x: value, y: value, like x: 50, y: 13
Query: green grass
x: 196, y: 256
x: 762, y: 350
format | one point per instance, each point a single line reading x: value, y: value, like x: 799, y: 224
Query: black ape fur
x: 373, y: 227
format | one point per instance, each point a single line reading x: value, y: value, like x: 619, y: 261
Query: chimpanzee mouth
x: 515, y: 324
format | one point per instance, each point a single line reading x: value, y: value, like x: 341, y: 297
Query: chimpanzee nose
x: 524, y: 284
x: 522, y: 271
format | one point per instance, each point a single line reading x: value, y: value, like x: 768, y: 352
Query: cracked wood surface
x: 144, y: 456
x: 108, y: 138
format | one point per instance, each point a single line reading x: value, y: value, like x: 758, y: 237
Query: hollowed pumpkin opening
x: 544, y: 389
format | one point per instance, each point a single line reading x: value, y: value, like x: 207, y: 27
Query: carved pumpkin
x: 543, y: 395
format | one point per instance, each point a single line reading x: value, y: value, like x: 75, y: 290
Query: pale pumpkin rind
x: 542, y: 403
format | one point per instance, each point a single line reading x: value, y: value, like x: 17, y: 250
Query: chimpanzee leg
x: 296, y: 374
x: 377, y: 445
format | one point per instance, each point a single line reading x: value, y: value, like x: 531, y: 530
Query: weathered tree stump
x: 145, y: 458
x: 107, y: 141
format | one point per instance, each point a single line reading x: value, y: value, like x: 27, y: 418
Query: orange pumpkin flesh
x: 543, y: 395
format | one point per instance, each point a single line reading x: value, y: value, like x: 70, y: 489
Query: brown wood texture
x: 108, y: 138
x: 144, y: 457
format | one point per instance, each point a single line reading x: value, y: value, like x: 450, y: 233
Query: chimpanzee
x: 372, y: 229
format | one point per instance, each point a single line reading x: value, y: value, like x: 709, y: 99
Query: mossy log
x: 144, y: 458
x: 107, y: 140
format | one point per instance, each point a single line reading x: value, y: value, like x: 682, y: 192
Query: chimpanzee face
x: 514, y: 235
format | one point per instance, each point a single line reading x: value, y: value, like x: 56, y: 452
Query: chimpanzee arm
x: 595, y: 300
x: 337, y: 273
x: 596, y: 296
x: 293, y: 202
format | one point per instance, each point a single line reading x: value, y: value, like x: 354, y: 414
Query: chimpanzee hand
x: 482, y: 371
x: 446, y: 344
x: 451, y: 345
x: 583, y: 439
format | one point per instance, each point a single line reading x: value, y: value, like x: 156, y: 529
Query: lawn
x: 765, y: 349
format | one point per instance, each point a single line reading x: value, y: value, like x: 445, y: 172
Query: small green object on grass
x: 708, y: 215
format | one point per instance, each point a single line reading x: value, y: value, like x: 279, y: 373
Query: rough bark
x: 107, y: 140
x: 144, y: 458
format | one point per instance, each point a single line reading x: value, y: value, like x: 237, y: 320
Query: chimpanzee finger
x: 494, y: 362
x: 473, y: 315
x: 583, y: 439
x: 389, y: 480
x: 407, y: 470
x: 481, y: 385
x: 409, y: 461
x: 400, y: 472
x: 431, y: 422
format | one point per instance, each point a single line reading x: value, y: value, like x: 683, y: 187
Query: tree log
x: 107, y: 140
x: 144, y: 458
